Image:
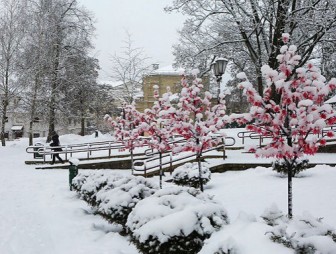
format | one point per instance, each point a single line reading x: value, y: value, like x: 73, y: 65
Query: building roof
x: 168, y: 70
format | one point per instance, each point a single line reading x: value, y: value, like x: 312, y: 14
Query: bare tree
x: 248, y: 32
x: 12, y: 18
x: 129, y: 68
x: 68, y: 31
x: 81, y: 82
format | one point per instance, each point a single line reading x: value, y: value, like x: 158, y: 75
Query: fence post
x: 171, y: 162
x: 66, y: 152
x: 223, y: 141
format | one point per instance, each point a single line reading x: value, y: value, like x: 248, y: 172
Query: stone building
x: 163, y: 78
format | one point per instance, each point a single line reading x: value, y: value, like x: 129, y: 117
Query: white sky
x: 151, y: 28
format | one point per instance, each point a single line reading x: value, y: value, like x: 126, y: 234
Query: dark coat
x: 55, y: 142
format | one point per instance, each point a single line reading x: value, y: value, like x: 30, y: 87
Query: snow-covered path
x: 40, y: 215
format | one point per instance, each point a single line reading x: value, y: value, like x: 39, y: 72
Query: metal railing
x: 253, y: 135
x: 145, y: 165
x: 69, y: 150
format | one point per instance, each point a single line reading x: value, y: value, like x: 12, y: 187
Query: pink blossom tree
x: 300, y: 115
x: 126, y: 127
x: 197, y: 121
x: 157, y: 123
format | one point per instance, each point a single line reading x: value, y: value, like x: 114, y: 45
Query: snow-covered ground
x: 40, y: 215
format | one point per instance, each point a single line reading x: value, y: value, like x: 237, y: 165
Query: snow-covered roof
x: 111, y: 83
x: 168, y: 70
x: 17, y: 128
x: 331, y: 100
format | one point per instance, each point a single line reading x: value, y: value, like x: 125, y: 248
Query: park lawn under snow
x: 40, y: 215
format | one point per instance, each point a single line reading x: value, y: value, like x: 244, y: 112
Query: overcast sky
x: 151, y: 28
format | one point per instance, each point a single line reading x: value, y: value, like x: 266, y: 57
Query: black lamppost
x: 218, y: 68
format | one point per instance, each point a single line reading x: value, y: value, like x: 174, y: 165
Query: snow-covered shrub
x: 94, y: 183
x: 305, y: 235
x: 188, y: 174
x: 79, y: 180
x: 227, y: 246
x: 175, y: 220
x: 116, y: 200
x: 273, y: 216
x: 298, y: 166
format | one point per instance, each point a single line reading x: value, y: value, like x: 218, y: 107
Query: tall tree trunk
x: 82, y: 117
x: 281, y: 16
x: 33, y: 110
x: 82, y: 132
x: 5, y: 103
x: 3, y: 122
x: 31, y: 133
x: 54, y: 84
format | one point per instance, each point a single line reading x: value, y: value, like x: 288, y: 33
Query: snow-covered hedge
x: 175, y: 220
x: 79, y: 180
x: 298, y: 166
x: 305, y: 234
x: 116, y: 200
x: 188, y: 174
x: 93, y: 183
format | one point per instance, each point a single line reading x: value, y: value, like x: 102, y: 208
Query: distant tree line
x: 45, y: 61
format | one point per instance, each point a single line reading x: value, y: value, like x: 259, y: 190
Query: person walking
x: 56, y: 143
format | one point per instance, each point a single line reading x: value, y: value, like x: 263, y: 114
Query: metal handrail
x: 172, y: 160
x: 151, y: 152
x: 254, y: 135
x: 76, y: 148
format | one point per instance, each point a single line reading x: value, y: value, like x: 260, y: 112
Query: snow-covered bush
x: 273, y: 216
x: 188, y: 174
x: 94, y: 183
x: 305, y: 235
x: 79, y: 180
x: 175, y: 220
x: 226, y: 246
x: 298, y: 166
x: 117, y: 199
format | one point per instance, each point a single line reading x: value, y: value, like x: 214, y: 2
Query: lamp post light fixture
x: 218, y: 68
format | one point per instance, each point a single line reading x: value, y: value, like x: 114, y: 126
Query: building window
x: 36, y: 135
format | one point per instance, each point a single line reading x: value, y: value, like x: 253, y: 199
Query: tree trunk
x: 3, y: 122
x: 31, y: 133
x: 5, y: 103
x: 198, y: 158
x: 281, y: 16
x: 290, y: 190
x: 161, y: 171
x: 54, y: 84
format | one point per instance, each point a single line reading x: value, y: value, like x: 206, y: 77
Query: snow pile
x: 188, y: 174
x: 74, y: 161
x: 304, y: 234
x: 178, y: 221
